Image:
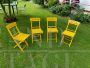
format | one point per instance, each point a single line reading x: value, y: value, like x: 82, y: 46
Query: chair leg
x: 21, y: 49
x: 26, y: 43
x: 71, y: 42
x: 32, y: 38
x: 56, y: 37
x: 47, y: 37
x: 40, y: 38
x: 62, y: 40
x: 16, y: 45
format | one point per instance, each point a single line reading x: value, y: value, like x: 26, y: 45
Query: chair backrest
x: 10, y: 28
x: 36, y: 21
x: 51, y: 20
x: 74, y: 24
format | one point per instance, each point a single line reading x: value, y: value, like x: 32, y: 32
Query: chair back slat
x: 73, y: 23
x: 11, y: 25
x: 10, y: 28
x: 51, y: 20
x: 34, y: 19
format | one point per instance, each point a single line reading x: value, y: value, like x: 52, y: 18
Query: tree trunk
x: 9, y: 7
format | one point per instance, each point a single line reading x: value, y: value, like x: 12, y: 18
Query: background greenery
x: 41, y: 2
x: 52, y: 2
x: 10, y: 57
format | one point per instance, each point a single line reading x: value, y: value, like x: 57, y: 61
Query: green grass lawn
x: 44, y: 55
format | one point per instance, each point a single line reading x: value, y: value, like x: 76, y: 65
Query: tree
x: 9, y: 7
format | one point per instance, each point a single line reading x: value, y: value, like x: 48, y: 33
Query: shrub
x: 41, y: 2
x: 66, y: 10
x: 81, y: 17
x: 52, y: 2
x: 55, y: 9
x: 63, y: 10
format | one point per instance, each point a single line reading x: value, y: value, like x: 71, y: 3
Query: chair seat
x: 69, y: 33
x: 36, y: 31
x: 52, y: 30
x: 21, y: 37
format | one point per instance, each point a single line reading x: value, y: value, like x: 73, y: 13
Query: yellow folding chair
x: 17, y: 36
x: 52, y: 28
x: 36, y: 29
x: 69, y: 33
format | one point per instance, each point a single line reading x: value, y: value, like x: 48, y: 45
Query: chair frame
x: 35, y: 20
x: 70, y: 22
x: 14, y: 25
x: 51, y: 20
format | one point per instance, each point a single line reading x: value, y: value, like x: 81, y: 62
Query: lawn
x: 44, y: 55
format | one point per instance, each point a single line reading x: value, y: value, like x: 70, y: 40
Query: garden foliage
x: 80, y: 16
x: 63, y: 10
x: 40, y: 2
x: 52, y: 2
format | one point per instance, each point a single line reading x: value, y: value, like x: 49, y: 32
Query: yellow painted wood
x: 52, y: 29
x: 70, y: 33
x: 36, y: 30
x: 18, y: 38
x: 21, y: 37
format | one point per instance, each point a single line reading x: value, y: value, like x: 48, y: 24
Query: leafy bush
x: 64, y: 10
x: 55, y: 9
x: 80, y: 16
x: 52, y: 2
x: 41, y: 2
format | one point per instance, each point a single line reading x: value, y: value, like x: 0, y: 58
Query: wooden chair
x: 52, y: 28
x: 17, y: 36
x: 69, y: 33
x: 36, y: 30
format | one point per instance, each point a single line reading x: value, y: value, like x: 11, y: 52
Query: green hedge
x: 81, y: 17
x: 41, y: 2
x: 52, y: 2
x: 63, y: 10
